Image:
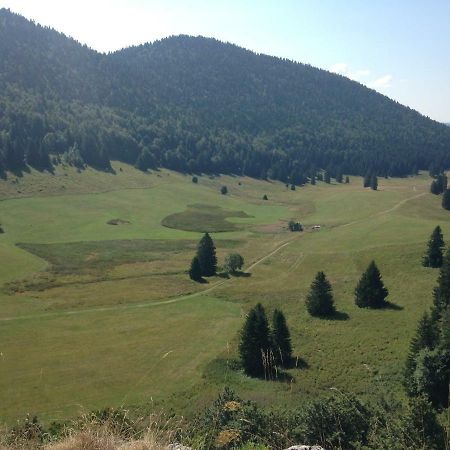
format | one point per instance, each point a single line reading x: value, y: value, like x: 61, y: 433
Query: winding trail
x: 195, y: 294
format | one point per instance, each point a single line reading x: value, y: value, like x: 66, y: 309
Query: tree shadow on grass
x: 337, y: 315
x: 241, y: 274
x: 393, y: 306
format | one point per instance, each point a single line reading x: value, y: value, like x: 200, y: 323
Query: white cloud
x: 360, y: 75
x: 381, y: 83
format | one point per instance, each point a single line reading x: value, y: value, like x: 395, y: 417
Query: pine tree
x: 446, y: 199
x: 195, y: 272
x: 434, y: 255
x: 434, y: 188
x: 281, y: 339
x: 206, y: 254
x: 374, y: 183
x: 370, y: 291
x: 255, y: 342
x: 319, y: 301
x: 327, y: 177
x: 441, y: 293
x: 366, y: 180
x: 347, y: 179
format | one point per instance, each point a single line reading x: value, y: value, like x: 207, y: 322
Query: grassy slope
x: 61, y: 350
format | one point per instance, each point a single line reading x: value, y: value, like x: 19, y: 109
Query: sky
x: 400, y: 48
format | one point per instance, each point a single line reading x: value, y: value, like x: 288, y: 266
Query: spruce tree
x: 206, y: 254
x: 327, y: 177
x: 347, y: 179
x: 446, y: 199
x: 441, y: 293
x: 319, y: 301
x: 195, y: 272
x: 434, y: 188
x: 255, y: 342
x: 434, y: 255
x: 366, y: 180
x: 370, y: 291
x: 281, y: 339
x: 374, y: 183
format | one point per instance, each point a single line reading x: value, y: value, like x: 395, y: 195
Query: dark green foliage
x: 195, y: 180
x: 434, y: 255
x: 233, y: 262
x: 56, y: 93
x: 293, y: 187
x: 366, y: 180
x: 295, y: 226
x: 224, y: 190
x: 341, y: 421
x: 254, y: 345
x: 439, y: 185
x: 347, y: 179
x: 195, y: 272
x: 339, y: 176
x: 1, y: 230
x: 441, y: 293
x: 446, y: 199
x: 327, y: 177
x: 265, y: 197
x: 370, y: 291
x: 319, y: 301
x: 206, y: 254
x: 425, y: 338
x: 320, y: 176
x: 313, y: 180
x: 281, y: 340
x: 374, y: 183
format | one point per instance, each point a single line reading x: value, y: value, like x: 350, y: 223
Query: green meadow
x: 94, y: 314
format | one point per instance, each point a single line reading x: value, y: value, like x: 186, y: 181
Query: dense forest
x: 197, y: 105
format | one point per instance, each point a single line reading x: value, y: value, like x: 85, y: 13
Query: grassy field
x: 95, y: 315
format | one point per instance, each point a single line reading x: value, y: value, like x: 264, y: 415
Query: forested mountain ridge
x: 200, y: 105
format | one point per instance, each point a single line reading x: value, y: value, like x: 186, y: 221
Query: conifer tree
x: 434, y: 188
x: 281, y: 339
x: 206, y: 254
x: 254, y: 342
x: 313, y: 180
x: 366, y: 180
x: 327, y: 177
x: 370, y: 291
x: 441, y: 293
x: 374, y: 183
x: 195, y: 272
x: 319, y: 301
x: 434, y: 255
x: 446, y: 199
x: 347, y: 179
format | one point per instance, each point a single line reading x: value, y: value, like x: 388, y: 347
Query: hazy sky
x: 398, y: 47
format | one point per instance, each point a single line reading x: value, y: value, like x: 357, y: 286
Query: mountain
x: 199, y: 105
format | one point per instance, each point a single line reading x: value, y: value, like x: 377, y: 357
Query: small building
x: 315, y: 227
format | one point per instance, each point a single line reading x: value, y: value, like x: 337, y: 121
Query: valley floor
x: 94, y: 314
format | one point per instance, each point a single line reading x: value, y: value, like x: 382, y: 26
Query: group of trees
x: 370, y: 292
x: 262, y: 348
x: 204, y: 263
x: 439, y: 186
x: 427, y: 369
x: 173, y: 104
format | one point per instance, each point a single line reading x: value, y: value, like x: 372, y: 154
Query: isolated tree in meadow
x: 434, y: 254
x: 224, y: 190
x: 233, y: 262
x: 374, y: 183
x: 195, y: 272
x: 265, y: 197
x: 370, y: 291
x: 446, y: 199
x: 206, y: 253
x: 195, y: 179
x: 254, y: 342
x: 281, y: 339
x: 319, y: 301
